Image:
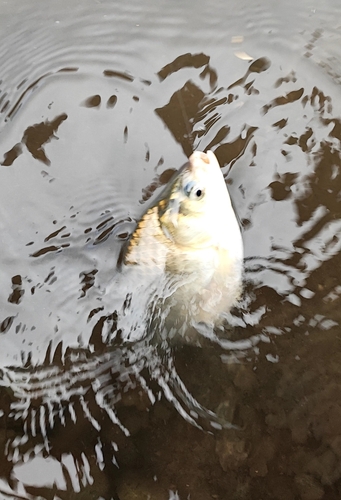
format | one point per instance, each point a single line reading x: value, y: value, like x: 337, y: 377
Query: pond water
x: 100, y: 102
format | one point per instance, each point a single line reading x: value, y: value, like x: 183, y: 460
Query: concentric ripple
x: 99, y: 105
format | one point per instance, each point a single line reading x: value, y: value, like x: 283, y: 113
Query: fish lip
x: 204, y: 162
x: 198, y: 160
x: 198, y: 155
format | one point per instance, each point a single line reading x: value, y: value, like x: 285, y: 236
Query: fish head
x: 196, y: 212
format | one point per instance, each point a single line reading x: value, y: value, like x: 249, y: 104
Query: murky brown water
x: 99, y: 103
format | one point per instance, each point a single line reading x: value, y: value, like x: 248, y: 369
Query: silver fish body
x: 190, y: 240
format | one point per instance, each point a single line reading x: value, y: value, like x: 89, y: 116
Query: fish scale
x: 147, y: 245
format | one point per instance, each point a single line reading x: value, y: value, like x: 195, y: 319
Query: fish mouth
x: 198, y: 159
x: 198, y: 155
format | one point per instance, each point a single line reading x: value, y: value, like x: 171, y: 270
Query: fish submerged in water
x: 190, y: 241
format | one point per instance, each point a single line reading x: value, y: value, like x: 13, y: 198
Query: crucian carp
x: 189, y: 241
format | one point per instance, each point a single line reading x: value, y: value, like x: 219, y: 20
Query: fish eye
x: 193, y: 191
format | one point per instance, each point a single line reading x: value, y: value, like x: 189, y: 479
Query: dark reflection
x: 184, y: 61
x: 293, y: 96
x: 111, y: 103
x: 317, y: 97
x: 4, y: 103
x: 93, y: 101
x: 29, y: 89
x: 125, y: 134
x: 50, y: 248
x: 11, y: 155
x: 158, y: 181
x: 179, y: 113
x: 34, y: 138
x: 68, y: 70
x: 185, y: 106
x: 6, y: 324
x: 281, y: 188
x: 118, y: 74
x: 190, y: 61
x: 227, y: 153
x: 286, y: 79
x: 257, y: 66
x: 54, y: 234
x: 17, y: 291
x: 190, y: 106
x: 281, y: 123
x: 322, y: 192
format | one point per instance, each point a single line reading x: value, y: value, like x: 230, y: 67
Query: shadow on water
x: 110, y: 410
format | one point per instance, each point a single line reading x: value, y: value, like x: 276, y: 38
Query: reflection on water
x: 94, y: 404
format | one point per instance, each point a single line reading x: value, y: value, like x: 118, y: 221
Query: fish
x: 182, y: 266
x: 189, y: 239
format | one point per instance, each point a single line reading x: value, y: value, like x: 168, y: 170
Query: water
x: 99, y: 103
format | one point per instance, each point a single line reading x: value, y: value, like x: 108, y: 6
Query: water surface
x: 99, y: 103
